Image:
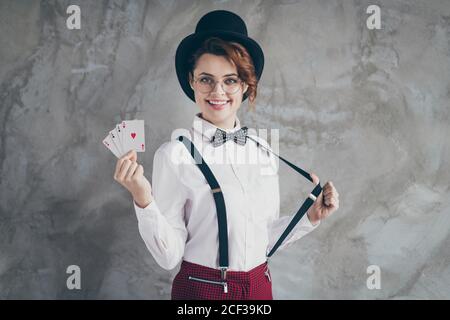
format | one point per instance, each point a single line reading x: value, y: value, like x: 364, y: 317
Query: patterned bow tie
x: 221, y: 136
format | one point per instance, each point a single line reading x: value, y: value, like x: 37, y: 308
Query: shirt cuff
x: 149, y: 209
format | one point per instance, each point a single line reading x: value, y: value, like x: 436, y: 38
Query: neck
x: 226, y: 124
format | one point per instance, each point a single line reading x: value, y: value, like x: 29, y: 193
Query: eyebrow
x: 208, y: 74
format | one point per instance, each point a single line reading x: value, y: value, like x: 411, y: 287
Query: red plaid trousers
x: 197, y: 282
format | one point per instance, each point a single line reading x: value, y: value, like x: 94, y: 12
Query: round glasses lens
x: 229, y: 85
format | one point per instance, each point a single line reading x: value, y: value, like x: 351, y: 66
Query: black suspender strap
x: 220, y: 203
x: 305, y: 206
x: 218, y: 199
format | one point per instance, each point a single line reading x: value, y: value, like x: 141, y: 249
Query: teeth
x: 217, y: 102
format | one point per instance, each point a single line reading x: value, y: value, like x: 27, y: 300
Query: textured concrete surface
x: 368, y: 109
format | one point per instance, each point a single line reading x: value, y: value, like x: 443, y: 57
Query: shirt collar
x: 207, y: 129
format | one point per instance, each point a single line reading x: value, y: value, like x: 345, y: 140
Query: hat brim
x: 192, y: 42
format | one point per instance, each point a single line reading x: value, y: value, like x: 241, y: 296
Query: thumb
x: 131, y: 155
x: 316, y: 181
x: 315, y: 178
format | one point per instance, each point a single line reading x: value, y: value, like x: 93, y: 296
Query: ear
x: 190, y: 81
x: 245, y: 88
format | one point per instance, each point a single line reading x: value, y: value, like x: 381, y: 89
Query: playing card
x: 119, y: 135
x: 111, y: 146
x: 133, y: 135
x: 116, y: 141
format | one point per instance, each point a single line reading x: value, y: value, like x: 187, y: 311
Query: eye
x: 231, y: 81
x: 205, y: 80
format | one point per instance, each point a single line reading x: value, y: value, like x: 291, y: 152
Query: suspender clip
x: 223, y: 272
x: 312, y: 197
x: 216, y: 190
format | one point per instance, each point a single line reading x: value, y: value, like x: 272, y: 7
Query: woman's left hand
x: 326, y: 203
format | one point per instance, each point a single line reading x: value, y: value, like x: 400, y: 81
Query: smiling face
x: 217, y: 106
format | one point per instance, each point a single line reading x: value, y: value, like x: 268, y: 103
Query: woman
x: 221, y: 220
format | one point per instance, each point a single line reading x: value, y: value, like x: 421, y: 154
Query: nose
x: 218, y: 84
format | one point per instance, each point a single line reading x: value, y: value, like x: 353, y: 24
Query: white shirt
x: 181, y: 221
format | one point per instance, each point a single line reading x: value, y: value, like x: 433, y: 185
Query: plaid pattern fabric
x: 251, y: 285
x: 221, y: 136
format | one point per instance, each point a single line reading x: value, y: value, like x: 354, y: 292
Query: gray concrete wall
x: 367, y: 109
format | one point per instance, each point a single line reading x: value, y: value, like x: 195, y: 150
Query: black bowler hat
x: 225, y: 25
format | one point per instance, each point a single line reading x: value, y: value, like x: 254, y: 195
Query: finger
x: 330, y: 196
x: 327, y: 185
x: 139, y: 171
x: 130, y: 155
x: 123, y: 170
x: 331, y: 207
x: 118, y: 166
x: 315, y: 178
x: 331, y: 193
x: 334, y: 192
x: 334, y: 203
x: 327, y: 192
x: 131, y: 170
x: 328, y: 203
x: 124, y: 162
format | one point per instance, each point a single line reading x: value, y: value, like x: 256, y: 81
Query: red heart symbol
x: 133, y: 135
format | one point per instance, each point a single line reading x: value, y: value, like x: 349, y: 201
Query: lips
x: 218, y: 104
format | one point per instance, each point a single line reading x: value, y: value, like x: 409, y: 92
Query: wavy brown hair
x: 236, y: 54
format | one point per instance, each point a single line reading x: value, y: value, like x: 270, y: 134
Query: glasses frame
x: 196, y: 79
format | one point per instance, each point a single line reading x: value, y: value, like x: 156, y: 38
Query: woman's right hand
x: 130, y: 174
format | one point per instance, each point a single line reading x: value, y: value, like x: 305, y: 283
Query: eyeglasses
x: 207, y: 84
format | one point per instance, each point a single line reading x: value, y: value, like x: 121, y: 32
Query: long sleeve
x: 161, y: 224
x: 279, y: 224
